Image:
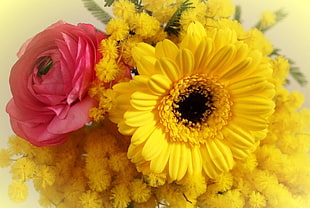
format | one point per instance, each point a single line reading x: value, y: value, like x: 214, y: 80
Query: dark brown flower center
x: 194, y: 106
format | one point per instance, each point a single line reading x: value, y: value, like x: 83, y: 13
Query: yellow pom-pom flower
x: 90, y: 199
x: 18, y: 191
x: 5, y: 158
x: 268, y: 19
x: 195, y: 107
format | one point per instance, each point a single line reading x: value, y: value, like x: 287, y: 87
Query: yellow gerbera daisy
x: 194, y: 107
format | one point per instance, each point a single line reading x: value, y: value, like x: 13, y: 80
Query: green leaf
x: 237, y: 15
x: 108, y: 3
x: 173, y: 25
x: 137, y: 3
x: 297, y: 74
x: 97, y: 11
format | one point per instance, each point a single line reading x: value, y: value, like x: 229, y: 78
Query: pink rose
x: 49, y: 83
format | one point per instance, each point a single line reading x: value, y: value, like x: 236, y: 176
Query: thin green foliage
x: 108, y: 3
x: 137, y: 3
x: 237, y: 15
x: 173, y: 25
x: 297, y: 74
x: 97, y: 11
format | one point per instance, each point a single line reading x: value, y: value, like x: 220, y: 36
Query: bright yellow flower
x: 257, y: 40
x: 5, y: 158
x: 124, y: 9
x: 257, y: 200
x: 109, y: 48
x: 220, y: 8
x: 23, y: 169
x: 139, y: 191
x: 45, y: 176
x: 120, y: 196
x: 144, y: 25
x: 267, y: 19
x: 91, y: 199
x: 118, y: 29
x: 224, y: 182
x: 107, y: 70
x: 194, y: 107
x: 18, y: 191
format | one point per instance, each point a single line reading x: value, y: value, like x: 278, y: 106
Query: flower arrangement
x: 174, y: 105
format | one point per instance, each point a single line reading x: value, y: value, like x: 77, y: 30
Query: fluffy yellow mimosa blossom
x: 124, y: 9
x: 201, y: 118
x: 91, y: 200
x: 18, y: 191
x: 5, y: 158
x: 23, y: 169
x: 120, y: 196
x: 268, y: 18
x: 257, y: 200
x: 256, y: 40
x: 161, y: 9
x: 117, y: 29
x: 196, y: 107
x: 220, y: 8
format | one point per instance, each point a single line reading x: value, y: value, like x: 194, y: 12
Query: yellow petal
x: 143, y: 101
x: 221, y: 60
x: 237, y: 152
x: 237, y: 72
x: 146, y: 65
x: 140, y: 95
x: 134, y: 154
x: 251, y: 86
x: 196, y: 160
x: 168, y: 68
x: 208, y: 166
x: 166, y: 48
x: 159, y: 163
x: 247, y: 83
x: 184, y: 161
x: 194, y: 35
x: 159, y: 84
x: 142, y: 133
x: 153, y: 145
x: 254, y: 108
x: 143, y: 105
x: 220, y: 155
x: 122, y: 87
x: 238, y: 137
x: 138, y: 118
x: 254, y: 123
x: 178, y: 161
x: 185, y: 61
x: 224, y: 37
x: 203, y: 54
x: 241, y: 54
x: 142, y: 49
x: 125, y: 129
x: 139, y: 81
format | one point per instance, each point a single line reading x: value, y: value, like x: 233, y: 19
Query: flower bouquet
x: 175, y: 104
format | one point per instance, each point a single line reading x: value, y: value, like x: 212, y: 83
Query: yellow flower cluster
x: 92, y: 169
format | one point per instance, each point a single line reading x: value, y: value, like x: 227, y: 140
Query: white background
x: 21, y: 19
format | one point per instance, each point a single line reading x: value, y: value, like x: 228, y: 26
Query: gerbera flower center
x: 194, y: 106
x: 195, y: 109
